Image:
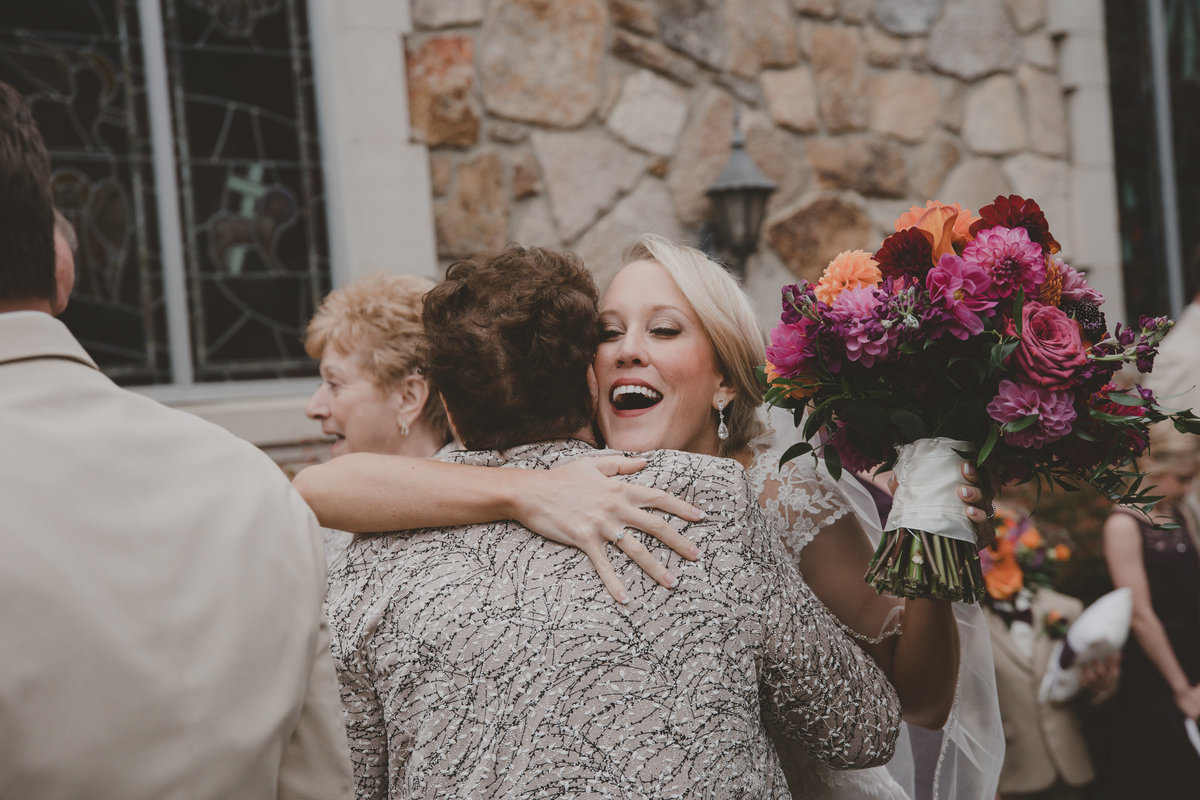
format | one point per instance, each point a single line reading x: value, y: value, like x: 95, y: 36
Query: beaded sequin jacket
x: 485, y: 661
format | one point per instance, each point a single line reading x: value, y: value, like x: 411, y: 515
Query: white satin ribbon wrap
x: 929, y: 475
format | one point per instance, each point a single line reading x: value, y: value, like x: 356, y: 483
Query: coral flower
x: 1061, y: 552
x: 850, y: 269
x: 963, y: 219
x: 1004, y: 579
x: 1031, y: 539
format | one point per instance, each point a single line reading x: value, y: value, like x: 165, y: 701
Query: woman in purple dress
x: 1145, y: 750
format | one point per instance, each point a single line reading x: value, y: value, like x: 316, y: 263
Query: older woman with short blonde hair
x: 374, y: 397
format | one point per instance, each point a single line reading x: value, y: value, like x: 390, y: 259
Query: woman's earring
x: 404, y: 429
x: 722, y: 428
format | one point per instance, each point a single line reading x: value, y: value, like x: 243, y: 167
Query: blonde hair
x: 1169, y: 450
x: 728, y: 319
x: 379, y: 317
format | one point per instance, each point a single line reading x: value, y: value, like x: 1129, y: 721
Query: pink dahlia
x: 1075, y: 286
x: 962, y: 289
x: 1010, y: 258
x: 856, y: 321
x: 1015, y: 401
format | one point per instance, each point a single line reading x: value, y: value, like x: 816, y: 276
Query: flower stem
x: 911, y: 563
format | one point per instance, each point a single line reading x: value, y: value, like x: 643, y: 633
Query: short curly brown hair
x: 511, y: 336
x: 379, y: 316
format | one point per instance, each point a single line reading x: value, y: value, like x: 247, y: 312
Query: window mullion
x: 1166, y: 156
x: 166, y: 192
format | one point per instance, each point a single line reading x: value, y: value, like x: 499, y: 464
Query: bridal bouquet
x: 962, y: 337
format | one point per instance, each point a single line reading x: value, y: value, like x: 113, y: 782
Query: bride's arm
x: 921, y: 661
x: 574, y: 504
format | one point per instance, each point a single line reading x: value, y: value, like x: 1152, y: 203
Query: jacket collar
x: 26, y: 335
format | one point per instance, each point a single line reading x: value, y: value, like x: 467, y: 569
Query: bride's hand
x: 981, y: 507
x: 580, y: 505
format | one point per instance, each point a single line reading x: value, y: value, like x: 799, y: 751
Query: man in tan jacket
x: 161, y: 584
x: 1046, y: 755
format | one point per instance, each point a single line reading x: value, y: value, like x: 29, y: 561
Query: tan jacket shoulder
x: 162, y: 586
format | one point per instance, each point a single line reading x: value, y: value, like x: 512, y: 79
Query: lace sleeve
x: 799, y: 499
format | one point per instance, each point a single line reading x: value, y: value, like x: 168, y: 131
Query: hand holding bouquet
x: 962, y: 337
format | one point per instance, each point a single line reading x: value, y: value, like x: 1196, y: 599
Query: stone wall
x: 579, y: 123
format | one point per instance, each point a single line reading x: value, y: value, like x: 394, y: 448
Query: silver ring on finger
x: 620, y: 535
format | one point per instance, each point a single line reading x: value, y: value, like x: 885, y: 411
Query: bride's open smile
x: 657, y: 371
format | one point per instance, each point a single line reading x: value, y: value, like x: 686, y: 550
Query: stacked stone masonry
x: 580, y: 123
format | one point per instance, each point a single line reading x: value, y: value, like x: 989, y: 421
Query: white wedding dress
x: 801, y: 500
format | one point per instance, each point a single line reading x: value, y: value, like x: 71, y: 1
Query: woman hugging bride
x: 675, y: 369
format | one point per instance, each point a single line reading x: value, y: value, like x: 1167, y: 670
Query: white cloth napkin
x: 1100, y: 631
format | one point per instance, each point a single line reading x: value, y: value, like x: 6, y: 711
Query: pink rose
x: 1051, y: 350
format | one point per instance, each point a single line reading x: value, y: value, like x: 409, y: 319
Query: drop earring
x: 404, y: 429
x: 722, y: 428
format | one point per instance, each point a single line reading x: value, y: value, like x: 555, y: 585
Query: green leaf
x: 813, y: 425
x: 1018, y: 425
x: 798, y: 449
x: 833, y: 462
x: 988, y: 444
x: 911, y: 426
x: 1018, y: 305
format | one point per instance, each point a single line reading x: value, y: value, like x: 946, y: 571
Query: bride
x: 675, y: 370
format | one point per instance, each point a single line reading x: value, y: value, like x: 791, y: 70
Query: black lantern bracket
x: 739, y: 204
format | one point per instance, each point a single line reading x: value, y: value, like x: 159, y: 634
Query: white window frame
x: 379, y: 205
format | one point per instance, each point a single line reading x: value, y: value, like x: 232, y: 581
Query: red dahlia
x: 1015, y: 211
x: 905, y: 253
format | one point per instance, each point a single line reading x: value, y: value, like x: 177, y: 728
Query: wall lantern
x: 739, y: 198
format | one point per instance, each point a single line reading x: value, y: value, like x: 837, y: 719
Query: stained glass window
x: 247, y: 165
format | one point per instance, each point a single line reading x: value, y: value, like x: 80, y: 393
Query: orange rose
x: 1031, y: 539
x: 963, y: 219
x: 799, y: 393
x: 1004, y: 579
x: 850, y: 269
x: 1061, y: 552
